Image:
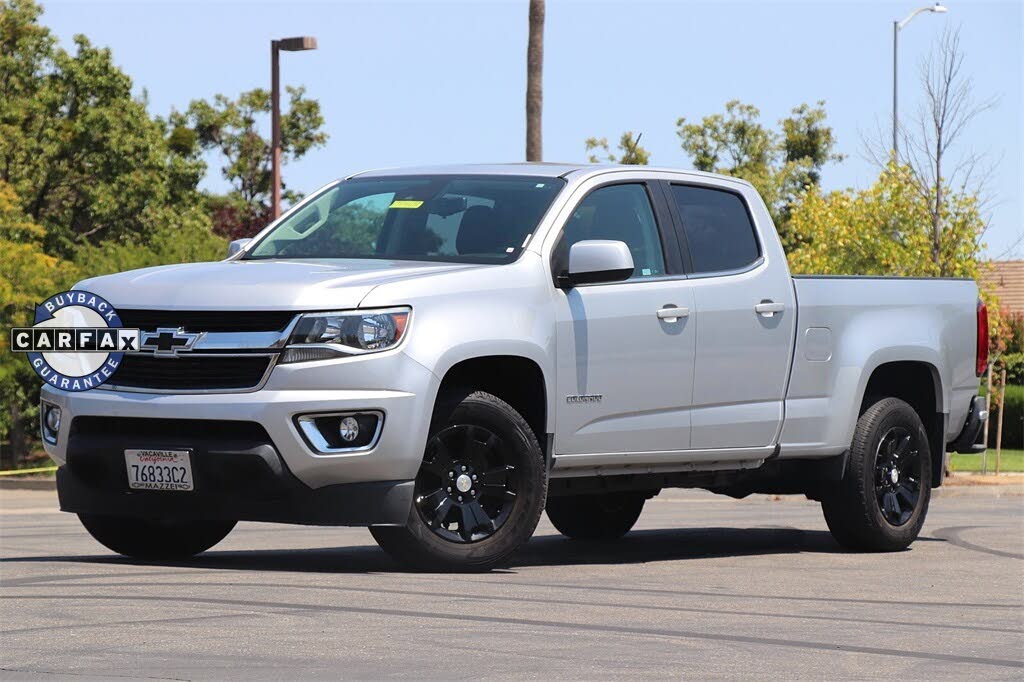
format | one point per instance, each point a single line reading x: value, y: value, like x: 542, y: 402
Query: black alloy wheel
x: 467, y: 486
x: 479, y: 491
x: 898, y: 471
x: 881, y: 502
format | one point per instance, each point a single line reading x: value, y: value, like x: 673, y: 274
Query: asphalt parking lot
x: 704, y: 587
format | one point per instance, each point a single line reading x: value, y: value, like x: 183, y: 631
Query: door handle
x: 672, y: 313
x: 768, y: 308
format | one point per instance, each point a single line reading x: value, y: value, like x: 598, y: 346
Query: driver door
x: 624, y: 370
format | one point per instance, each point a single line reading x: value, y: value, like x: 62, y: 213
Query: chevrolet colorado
x: 441, y: 354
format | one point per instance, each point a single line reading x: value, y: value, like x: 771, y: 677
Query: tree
x: 806, y: 137
x: 89, y: 183
x: 949, y: 108
x: 734, y: 143
x: 632, y: 154
x: 534, y: 81
x: 27, y: 275
x: 780, y: 165
x: 189, y: 241
x: 231, y: 127
x: 884, y: 230
x: 83, y: 155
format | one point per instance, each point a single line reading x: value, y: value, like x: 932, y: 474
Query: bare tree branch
x: 927, y: 144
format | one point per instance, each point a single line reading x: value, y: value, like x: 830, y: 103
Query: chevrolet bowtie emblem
x: 167, y: 342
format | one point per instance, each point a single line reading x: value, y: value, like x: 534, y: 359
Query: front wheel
x: 479, y: 492
x: 155, y: 539
x: 604, y: 516
x: 881, y: 503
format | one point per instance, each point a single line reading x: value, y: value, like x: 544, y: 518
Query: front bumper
x: 391, y: 383
x: 236, y: 470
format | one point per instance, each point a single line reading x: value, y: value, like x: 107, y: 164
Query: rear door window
x: 719, y: 233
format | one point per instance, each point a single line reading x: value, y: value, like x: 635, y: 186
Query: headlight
x: 319, y: 336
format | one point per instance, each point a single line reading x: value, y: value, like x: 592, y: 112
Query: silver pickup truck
x: 441, y: 354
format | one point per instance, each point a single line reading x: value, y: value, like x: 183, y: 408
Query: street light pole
x: 276, y: 46
x: 897, y: 26
x: 275, y: 131
x: 895, y: 90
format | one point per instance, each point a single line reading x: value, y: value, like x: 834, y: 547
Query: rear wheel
x: 479, y: 492
x: 596, y: 517
x: 155, y: 539
x: 881, y: 503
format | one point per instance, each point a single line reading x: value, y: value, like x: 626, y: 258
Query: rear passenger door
x: 744, y: 317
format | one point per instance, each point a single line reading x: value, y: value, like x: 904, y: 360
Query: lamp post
x: 288, y: 45
x: 897, y: 26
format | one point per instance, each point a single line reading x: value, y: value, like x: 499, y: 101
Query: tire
x: 480, y: 443
x: 152, y: 539
x: 881, y: 503
x: 607, y: 516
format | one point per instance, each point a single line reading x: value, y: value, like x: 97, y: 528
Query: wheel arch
x: 919, y: 384
x: 517, y: 379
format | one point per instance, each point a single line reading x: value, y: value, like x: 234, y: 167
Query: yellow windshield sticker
x: 405, y: 203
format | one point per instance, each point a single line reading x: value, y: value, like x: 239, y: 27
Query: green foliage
x: 27, y: 275
x: 805, y: 137
x: 631, y: 153
x: 886, y: 229
x: 84, y: 157
x: 883, y: 230
x: 231, y: 127
x: 1015, y: 323
x: 1014, y: 363
x: 734, y: 143
x: 781, y: 165
x: 1013, y: 421
x: 90, y: 183
x: 188, y: 242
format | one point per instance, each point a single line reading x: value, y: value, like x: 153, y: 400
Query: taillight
x: 982, y: 352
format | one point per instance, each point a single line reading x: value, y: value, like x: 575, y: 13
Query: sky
x: 419, y: 83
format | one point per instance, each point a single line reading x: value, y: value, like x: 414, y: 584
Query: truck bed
x: 848, y: 326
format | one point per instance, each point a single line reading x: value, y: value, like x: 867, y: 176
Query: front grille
x: 206, y: 320
x: 190, y: 373
x: 164, y: 429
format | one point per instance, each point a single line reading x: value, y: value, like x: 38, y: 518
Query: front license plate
x: 158, y: 469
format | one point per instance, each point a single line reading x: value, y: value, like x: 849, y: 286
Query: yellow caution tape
x: 38, y: 470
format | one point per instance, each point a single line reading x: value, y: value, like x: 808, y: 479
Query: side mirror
x: 598, y: 260
x: 236, y: 246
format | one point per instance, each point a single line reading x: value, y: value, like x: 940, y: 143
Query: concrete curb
x: 998, y: 490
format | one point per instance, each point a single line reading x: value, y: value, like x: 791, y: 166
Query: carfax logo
x: 77, y: 341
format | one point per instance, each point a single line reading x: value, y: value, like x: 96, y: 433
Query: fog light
x: 348, y: 429
x: 53, y: 419
x: 51, y: 423
x: 341, y: 432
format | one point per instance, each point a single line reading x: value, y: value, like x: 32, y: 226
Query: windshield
x: 463, y: 219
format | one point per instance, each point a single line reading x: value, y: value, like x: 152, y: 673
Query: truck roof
x: 544, y: 169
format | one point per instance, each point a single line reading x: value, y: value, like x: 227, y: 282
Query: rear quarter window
x: 719, y: 233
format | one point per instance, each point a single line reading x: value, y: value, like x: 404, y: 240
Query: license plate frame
x: 166, y: 470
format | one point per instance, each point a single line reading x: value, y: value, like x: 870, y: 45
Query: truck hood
x: 257, y: 284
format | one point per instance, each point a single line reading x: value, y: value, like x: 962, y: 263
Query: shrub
x: 1014, y: 368
x: 1013, y: 420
